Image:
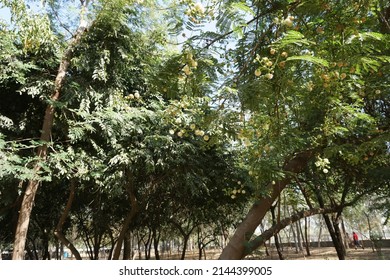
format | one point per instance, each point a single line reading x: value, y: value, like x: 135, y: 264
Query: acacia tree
x: 38, y: 37
x: 306, y: 75
x: 33, y: 39
x: 109, y: 136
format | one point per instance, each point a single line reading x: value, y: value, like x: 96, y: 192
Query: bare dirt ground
x: 326, y: 253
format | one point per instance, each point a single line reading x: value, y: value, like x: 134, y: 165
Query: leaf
x: 5, y: 122
x: 366, y: 35
x: 242, y: 7
x: 370, y: 64
x: 384, y: 58
x: 309, y: 58
x: 238, y: 30
x: 235, y: 17
x: 293, y: 37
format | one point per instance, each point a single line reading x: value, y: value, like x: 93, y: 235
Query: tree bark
x: 185, y: 235
x: 320, y: 234
x: 129, y: 218
x: 235, y: 249
x: 156, y: 241
x: 370, y: 231
x: 333, y: 234
x: 262, y: 238
x: 299, y: 236
x: 341, y: 252
x: 185, y: 244
x: 147, y: 244
x: 126, y: 224
x: 127, y: 247
x: 58, y: 231
x: 48, y: 120
x: 296, y: 240
x: 307, y: 241
x: 345, y: 234
x: 332, y: 226
x: 276, y: 237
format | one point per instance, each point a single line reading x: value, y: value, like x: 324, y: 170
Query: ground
x: 324, y: 253
x: 329, y: 253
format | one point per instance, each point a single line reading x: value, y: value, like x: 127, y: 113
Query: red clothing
x: 355, y: 236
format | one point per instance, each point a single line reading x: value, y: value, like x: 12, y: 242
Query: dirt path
x: 324, y: 253
x: 328, y: 253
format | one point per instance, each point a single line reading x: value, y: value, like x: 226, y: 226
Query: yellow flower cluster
x: 182, y: 132
x: 240, y: 190
x: 266, y: 64
x: 191, y: 64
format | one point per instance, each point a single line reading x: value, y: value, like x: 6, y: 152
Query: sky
x: 5, y: 14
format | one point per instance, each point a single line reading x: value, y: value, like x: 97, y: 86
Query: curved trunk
x: 235, y: 249
x: 276, y: 235
x: 262, y: 238
x: 58, y: 231
x: 332, y: 226
x: 32, y: 187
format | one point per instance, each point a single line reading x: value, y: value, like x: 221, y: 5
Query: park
x: 185, y: 129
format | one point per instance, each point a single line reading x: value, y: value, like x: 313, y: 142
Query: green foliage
x: 197, y: 130
x: 12, y: 67
x: 305, y: 76
x: 312, y: 59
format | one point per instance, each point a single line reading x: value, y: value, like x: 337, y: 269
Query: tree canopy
x: 163, y: 119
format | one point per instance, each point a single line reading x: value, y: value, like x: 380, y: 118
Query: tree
x: 32, y: 187
x: 304, y: 81
x: 63, y: 93
x: 283, y: 94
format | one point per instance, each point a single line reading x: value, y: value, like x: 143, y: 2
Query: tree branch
x: 262, y: 238
x: 58, y: 231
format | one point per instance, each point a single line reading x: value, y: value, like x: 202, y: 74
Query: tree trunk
x: 185, y: 235
x: 96, y: 244
x: 345, y: 234
x: 265, y: 244
x: 29, y: 252
x: 235, y: 249
x: 139, y: 246
x: 320, y: 234
x: 262, y: 238
x: 295, y: 240
x: 147, y: 244
x: 200, y: 251
x: 332, y: 227
x: 333, y: 234
x: 299, y: 236
x: 58, y: 231
x: 200, y: 243
x: 307, y: 242
x: 185, y: 244
x: 370, y: 231
x: 48, y: 120
x: 57, y: 250
x: 129, y: 218
x: 112, y: 244
x: 156, y: 240
x: 127, y: 247
x: 46, y: 253
x: 276, y: 237
x: 340, y: 244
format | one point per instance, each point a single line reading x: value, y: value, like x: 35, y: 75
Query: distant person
x: 356, y: 240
